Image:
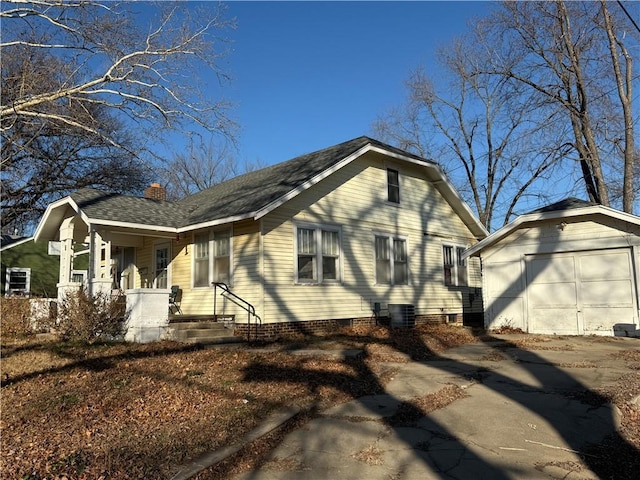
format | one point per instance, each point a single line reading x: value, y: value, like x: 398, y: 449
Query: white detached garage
x: 569, y: 268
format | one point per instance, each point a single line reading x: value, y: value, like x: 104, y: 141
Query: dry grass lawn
x: 125, y: 411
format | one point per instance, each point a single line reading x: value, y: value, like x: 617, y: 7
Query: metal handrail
x: 250, y: 309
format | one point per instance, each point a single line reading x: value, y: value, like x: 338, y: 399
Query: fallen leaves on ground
x: 130, y: 411
x: 134, y: 411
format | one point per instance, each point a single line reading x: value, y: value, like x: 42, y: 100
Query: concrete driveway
x: 523, y: 413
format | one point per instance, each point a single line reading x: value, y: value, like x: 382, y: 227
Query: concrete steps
x: 205, y: 333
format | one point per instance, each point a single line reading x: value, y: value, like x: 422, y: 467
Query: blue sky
x: 308, y: 75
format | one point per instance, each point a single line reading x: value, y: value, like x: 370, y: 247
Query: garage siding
x: 580, y: 278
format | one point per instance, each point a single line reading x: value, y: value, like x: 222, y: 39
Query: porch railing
x: 241, y: 302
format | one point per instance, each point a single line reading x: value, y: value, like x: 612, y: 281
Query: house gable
x: 571, y: 210
x: 352, y: 207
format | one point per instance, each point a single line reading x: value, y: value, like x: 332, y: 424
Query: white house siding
x: 576, y: 279
x: 355, y: 198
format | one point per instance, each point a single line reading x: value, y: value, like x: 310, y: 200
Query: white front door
x: 161, y: 255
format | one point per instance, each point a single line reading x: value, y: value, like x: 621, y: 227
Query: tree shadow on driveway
x: 521, y: 417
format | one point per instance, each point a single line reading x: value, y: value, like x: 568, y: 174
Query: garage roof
x: 567, y: 208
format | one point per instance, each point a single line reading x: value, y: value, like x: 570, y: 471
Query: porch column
x: 66, y: 250
x: 99, y: 273
x: 66, y: 258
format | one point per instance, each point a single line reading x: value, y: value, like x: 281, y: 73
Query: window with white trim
x: 78, y: 276
x: 18, y: 281
x: 454, y: 266
x: 211, y: 258
x: 318, y: 250
x: 393, y: 185
x: 222, y: 256
x: 392, y: 261
x: 201, y: 260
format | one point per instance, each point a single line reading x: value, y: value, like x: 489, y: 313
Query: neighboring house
x: 29, y: 269
x: 16, y: 274
x: 336, y: 234
x: 568, y: 268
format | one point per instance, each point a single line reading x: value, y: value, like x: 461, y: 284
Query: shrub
x: 89, y: 318
x: 16, y: 317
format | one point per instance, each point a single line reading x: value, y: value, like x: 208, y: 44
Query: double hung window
x: 201, y: 260
x: 393, y: 186
x: 454, y: 266
x: 212, y: 258
x: 222, y: 257
x: 317, y: 254
x: 392, y: 262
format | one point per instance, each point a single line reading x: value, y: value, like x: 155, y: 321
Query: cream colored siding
x: 355, y: 199
x: 526, y: 273
x: 144, y: 263
x: 247, y: 282
x: 245, y: 278
x: 180, y: 265
x: 195, y: 301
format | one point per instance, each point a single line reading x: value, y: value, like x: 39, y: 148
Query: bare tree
x: 529, y: 92
x: 478, y: 128
x: 203, y: 164
x: 569, y: 55
x: 198, y: 167
x: 79, y: 77
x: 42, y: 159
x: 622, y: 66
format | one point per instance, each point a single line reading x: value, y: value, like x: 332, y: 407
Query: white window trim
x: 318, y: 227
x: 454, y: 274
x: 83, y: 273
x: 386, y: 175
x: 159, y: 244
x: 391, y: 238
x: 212, y: 234
x: 27, y: 291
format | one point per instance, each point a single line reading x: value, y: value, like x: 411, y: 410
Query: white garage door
x: 580, y: 292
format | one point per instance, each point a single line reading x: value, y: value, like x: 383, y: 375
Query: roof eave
x: 16, y: 243
x: 42, y: 232
x: 217, y: 222
x: 530, y: 218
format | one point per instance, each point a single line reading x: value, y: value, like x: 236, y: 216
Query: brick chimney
x: 155, y: 192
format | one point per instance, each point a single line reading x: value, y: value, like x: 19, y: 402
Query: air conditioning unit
x: 402, y: 315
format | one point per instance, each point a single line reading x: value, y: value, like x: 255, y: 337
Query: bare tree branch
x: 86, y: 74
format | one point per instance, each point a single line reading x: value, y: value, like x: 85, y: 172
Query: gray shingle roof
x: 239, y: 196
x: 566, y: 204
x: 100, y: 205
